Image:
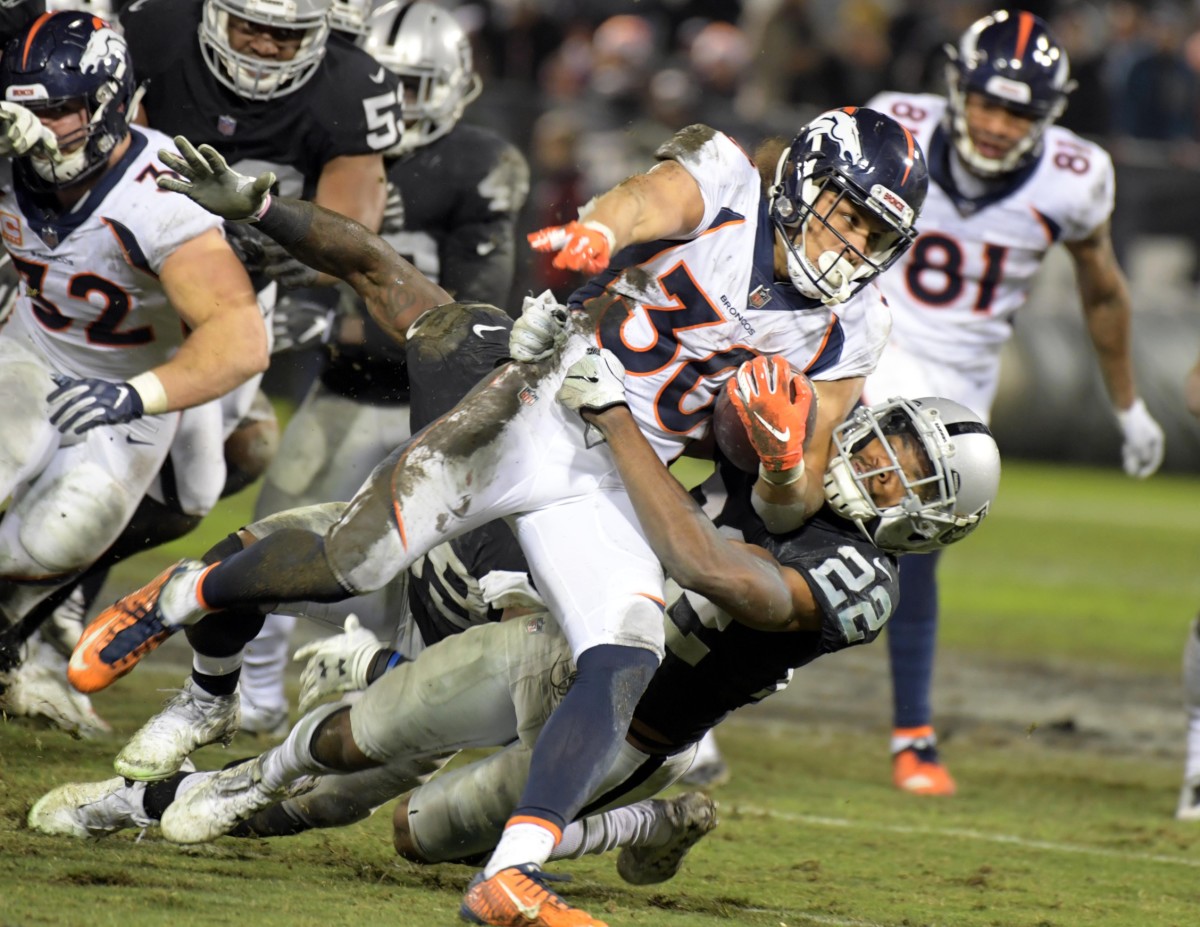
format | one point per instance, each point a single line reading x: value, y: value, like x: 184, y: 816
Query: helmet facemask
x: 88, y: 70
x: 1029, y: 76
x: 928, y: 515
x: 839, y: 272
x: 256, y: 78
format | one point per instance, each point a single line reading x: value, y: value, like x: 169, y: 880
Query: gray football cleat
x: 691, y: 816
x: 188, y: 721
x: 90, y: 809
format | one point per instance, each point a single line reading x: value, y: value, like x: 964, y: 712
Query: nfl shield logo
x: 49, y: 236
x: 527, y: 395
x: 760, y: 297
x: 226, y: 125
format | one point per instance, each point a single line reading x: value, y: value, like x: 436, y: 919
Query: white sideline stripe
x: 1010, y: 839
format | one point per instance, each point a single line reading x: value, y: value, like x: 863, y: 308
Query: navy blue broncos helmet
x: 1013, y: 59
x: 66, y: 58
x: 861, y: 155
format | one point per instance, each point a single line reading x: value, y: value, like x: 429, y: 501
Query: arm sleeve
x: 719, y: 165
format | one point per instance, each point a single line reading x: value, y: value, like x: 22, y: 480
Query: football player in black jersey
x: 755, y: 611
x: 453, y: 194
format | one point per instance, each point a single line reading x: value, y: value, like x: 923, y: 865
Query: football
x: 730, y: 434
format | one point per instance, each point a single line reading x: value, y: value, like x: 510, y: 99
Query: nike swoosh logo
x: 85, y: 641
x: 784, y: 435
x: 529, y: 911
x: 480, y: 329
x: 130, y: 439
x: 377, y: 78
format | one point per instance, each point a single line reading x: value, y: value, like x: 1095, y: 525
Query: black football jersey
x: 444, y: 585
x: 452, y: 208
x: 349, y: 107
x: 714, y: 665
x: 449, y: 352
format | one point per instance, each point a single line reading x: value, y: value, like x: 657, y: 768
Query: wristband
x: 262, y: 210
x: 781, y: 477
x: 151, y: 391
x: 605, y: 231
x: 287, y: 220
x: 383, y: 661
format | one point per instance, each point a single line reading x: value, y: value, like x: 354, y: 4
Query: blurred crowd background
x: 589, y: 88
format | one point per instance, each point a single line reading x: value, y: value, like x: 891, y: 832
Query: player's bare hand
x: 582, y: 246
x: 205, y: 177
x: 773, y: 401
x: 337, y: 664
x: 21, y: 132
x: 541, y: 328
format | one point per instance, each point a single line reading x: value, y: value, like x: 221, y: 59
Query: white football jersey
x: 90, y: 298
x: 953, y: 294
x: 682, y: 315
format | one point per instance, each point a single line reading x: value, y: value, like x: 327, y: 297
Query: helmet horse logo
x: 105, y: 47
x: 839, y: 128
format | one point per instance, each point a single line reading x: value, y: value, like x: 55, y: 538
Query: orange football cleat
x: 518, y: 897
x: 921, y: 775
x: 121, y: 635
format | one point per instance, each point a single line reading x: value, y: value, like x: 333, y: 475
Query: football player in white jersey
x: 728, y: 265
x: 1007, y: 185
x: 94, y: 365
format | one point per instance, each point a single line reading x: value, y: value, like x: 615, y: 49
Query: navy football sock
x: 582, y: 737
x: 287, y: 566
x: 912, y: 640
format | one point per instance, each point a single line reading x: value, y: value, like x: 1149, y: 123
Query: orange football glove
x: 583, y: 246
x: 773, y: 401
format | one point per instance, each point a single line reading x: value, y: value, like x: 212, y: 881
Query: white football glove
x: 1143, y: 450
x: 21, y: 131
x: 541, y: 328
x: 336, y: 664
x: 594, y: 383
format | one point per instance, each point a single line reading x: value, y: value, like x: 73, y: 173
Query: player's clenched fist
x: 583, y: 246
x: 773, y: 401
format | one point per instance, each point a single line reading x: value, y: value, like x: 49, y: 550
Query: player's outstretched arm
x: 1104, y: 293
x: 742, y: 579
x: 396, y: 293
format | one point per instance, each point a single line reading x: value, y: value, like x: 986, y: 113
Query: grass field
x: 1080, y: 580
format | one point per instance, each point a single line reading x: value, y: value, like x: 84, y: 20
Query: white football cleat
x: 1189, y: 800
x: 34, y: 690
x: 188, y: 721
x: 691, y: 816
x: 213, y: 808
x: 90, y: 809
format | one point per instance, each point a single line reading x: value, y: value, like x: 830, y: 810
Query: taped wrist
x: 151, y: 392
x: 781, y: 477
x: 285, y: 220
